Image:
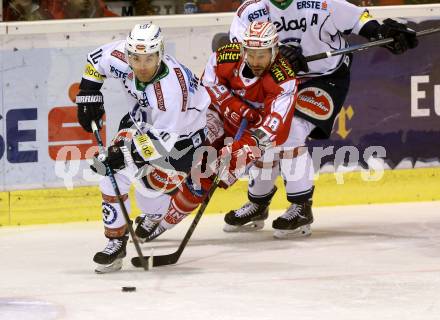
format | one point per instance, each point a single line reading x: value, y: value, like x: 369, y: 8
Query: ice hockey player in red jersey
x: 158, y: 137
x: 306, y: 28
x: 252, y: 81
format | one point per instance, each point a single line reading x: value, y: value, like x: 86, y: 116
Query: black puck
x: 128, y: 289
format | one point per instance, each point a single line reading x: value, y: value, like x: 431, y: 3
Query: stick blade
x: 158, y: 261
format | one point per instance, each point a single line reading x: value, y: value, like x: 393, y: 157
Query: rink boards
x: 83, y: 204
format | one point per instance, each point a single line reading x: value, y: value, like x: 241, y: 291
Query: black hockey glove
x: 129, y: 148
x: 90, y: 107
x: 294, y: 55
x: 115, y: 159
x: 404, y: 37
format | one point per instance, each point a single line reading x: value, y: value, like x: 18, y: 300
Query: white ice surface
x: 362, y: 262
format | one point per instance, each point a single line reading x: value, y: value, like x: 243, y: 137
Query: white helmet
x: 145, y: 39
x: 261, y: 35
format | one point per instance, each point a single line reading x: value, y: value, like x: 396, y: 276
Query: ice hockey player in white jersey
x: 157, y: 138
x: 307, y: 27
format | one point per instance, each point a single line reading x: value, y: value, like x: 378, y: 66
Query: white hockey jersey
x: 317, y: 25
x: 173, y: 102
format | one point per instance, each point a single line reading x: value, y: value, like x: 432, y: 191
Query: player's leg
x: 297, y: 171
x: 192, y: 192
x: 329, y: 93
x: 182, y: 203
x: 251, y: 216
x: 153, y: 209
x: 172, y: 180
x: 115, y: 228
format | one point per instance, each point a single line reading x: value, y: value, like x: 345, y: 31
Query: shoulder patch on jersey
x: 118, y: 54
x: 229, y: 53
x: 366, y: 16
x: 281, y: 70
x: 92, y: 74
x: 245, y: 5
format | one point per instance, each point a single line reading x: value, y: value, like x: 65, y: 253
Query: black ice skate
x: 250, y: 217
x: 110, y: 259
x: 296, y: 220
x: 145, y: 228
x: 157, y: 232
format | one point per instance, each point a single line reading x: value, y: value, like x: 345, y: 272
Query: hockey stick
x: 364, y: 46
x: 172, y: 258
x: 102, y: 157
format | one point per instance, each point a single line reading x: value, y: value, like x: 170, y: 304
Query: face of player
x: 258, y: 60
x: 144, y: 65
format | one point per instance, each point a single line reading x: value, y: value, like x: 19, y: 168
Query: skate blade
x: 112, y: 267
x: 249, y: 227
x: 303, y: 231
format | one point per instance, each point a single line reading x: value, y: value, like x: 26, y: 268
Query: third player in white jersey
x: 308, y: 27
x: 317, y: 26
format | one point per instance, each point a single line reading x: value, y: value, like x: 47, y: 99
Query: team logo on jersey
x: 308, y: 4
x: 291, y: 25
x: 118, y: 54
x: 118, y: 73
x: 315, y: 103
x: 257, y: 14
x: 109, y: 213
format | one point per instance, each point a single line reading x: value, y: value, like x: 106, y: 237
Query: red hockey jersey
x: 273, y: 94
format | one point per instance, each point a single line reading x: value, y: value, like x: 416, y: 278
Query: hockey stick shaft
x: 364, y: 46
x: 174, y: 257
x: 208, y: 198
x: 118, y: 193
